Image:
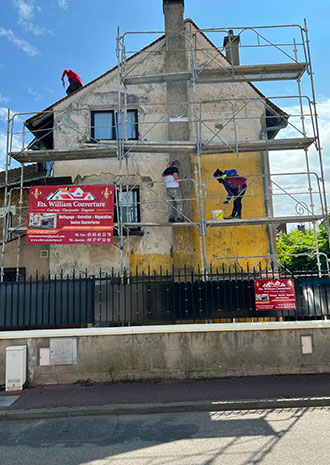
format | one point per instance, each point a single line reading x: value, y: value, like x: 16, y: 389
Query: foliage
x: 298, y: 242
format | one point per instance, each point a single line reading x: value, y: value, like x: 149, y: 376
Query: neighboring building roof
x: 30, y: 121
x: 32, y: 175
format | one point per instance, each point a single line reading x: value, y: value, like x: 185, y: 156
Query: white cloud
x: 16, y: 141
x: 26, y: 13
x: 20, y: 43
x: 4, y: 99
x: 35, y: 94
x: 30, y: 27
x: 293, y: 161
x: 63, y: 4
x: 25, y: 10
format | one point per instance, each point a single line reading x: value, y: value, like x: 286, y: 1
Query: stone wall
x: 172, y: 352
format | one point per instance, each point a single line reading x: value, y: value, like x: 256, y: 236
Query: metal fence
x: 46, y: 303
x: 153, y: 298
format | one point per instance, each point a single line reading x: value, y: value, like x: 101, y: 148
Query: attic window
x: 105, y: 125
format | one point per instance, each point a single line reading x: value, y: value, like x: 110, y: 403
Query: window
x: 107, y: 124
x: 10, y: 274
x: 8, y: 225
x: 129, y: 208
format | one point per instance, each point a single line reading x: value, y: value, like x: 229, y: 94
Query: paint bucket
x: 218, y: 215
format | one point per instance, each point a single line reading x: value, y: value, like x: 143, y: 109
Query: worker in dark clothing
x: 235, y: 187
x: 74, y: 80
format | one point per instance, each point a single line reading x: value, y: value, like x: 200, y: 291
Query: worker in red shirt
x: 74, y: 80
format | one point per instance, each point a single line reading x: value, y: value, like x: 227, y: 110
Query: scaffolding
x: 209, y: 134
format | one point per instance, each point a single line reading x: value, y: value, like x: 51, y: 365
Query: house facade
x: 104, y: 113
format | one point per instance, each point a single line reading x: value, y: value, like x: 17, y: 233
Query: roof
x: 32, y: 175
x: 188, y: 20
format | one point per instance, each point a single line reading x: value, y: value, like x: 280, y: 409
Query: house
x: 107, y: 133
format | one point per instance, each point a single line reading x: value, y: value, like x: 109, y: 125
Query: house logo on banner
x: 274, y: 284
x: 69, y: 193
x: 71, y: 215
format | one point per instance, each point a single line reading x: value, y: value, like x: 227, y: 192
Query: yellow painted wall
x: 153, y: 261
x: 234, y: 241
x: 183, y: 253
x: 240, y: 240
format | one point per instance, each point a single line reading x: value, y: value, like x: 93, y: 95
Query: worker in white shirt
x: 173, y: 192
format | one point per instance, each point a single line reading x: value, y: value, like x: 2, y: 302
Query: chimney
x: 173, y: 12
x: 177, y: 92
x: 174, y: 27
x: 231, y: 45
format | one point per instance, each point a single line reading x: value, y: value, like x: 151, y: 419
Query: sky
x: 40, y: 38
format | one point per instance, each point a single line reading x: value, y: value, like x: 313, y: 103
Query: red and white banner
x: 70, y: 215
x: 275, y: 294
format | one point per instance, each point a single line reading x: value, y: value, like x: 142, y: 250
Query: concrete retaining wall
x: 164, y: 352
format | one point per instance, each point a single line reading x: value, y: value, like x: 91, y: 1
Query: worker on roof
x: 235, y: 186
x: 74, y: 80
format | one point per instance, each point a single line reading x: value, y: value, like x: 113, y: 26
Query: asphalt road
x: 272, y: 437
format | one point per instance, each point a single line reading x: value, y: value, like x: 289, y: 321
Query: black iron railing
x: 162, y: 297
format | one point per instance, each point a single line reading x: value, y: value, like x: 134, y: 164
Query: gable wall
x: 161, y: 245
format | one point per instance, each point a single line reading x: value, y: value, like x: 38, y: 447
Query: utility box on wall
x: 15, y: 368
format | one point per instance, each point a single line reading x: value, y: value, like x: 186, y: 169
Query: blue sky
x: 39, y: 38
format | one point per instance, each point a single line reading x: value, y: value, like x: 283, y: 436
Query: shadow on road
x: 93, y: 439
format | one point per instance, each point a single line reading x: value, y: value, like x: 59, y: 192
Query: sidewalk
x: 186, y: 395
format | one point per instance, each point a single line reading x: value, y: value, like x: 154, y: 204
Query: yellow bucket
x: 218, y: 215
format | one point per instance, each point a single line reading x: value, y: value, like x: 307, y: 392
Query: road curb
x: 134, y: 409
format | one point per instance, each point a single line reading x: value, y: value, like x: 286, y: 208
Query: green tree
x: 297, y: 242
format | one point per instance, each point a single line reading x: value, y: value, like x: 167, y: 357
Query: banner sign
x: 275, y: 294
x: 70, y: 215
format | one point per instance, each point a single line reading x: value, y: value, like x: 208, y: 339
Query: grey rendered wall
x: 203, y: 353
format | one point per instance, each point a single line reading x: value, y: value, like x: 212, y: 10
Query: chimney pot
x: 231, y: 45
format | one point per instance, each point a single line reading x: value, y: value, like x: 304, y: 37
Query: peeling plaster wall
x: 164, y: 246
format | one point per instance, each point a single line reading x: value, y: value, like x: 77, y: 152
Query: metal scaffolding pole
x: 20, y: 210
x: 5, y: 200
x: 310, y: 189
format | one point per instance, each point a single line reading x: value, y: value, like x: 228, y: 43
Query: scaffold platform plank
x: 265, y: 220
x: 110, y: 151
x: 219, y: 223
x: 241, y: 73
